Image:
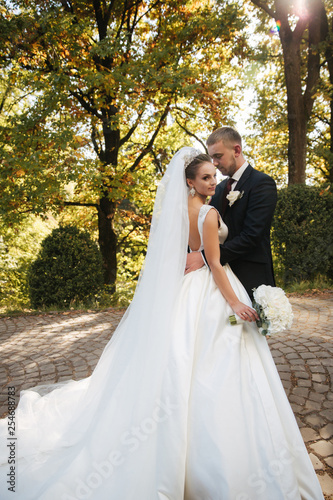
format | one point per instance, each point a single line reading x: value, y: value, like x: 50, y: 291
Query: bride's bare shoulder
x: 211, y: 216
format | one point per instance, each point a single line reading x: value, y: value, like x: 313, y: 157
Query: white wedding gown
x: 199, y: 414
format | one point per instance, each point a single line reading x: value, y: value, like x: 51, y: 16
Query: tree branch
x: 94, y: 135
x: 122, y: 20
x: 193, y: 115
x: 79, y: 204
x: 136, y: 225
x: 322, y: 119
x: 131, y: 130
x: 315, y: 37
x: 157, y: 161
x: 265, y: 8
x: 100, y: 19
x: 152, y: 139
x: 109, y: 11
x: 148, y: 10
x: 300, y: 27
x: 191, y: 134
x: 67, y: 5
x: 4, y: 97
x: 80, y: 97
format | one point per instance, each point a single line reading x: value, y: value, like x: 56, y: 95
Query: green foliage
x: 268, y: 141
x: 97, y: 86
x: 319, y: 154
x: 19, y: 246
x: 12, y: 283
x: 86, y: 84
x: 302, y: 233
x: 68, y: 268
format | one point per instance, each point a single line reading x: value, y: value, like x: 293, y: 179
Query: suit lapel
x: 242, y: 181
x: 239, y: 185
x: 244, y: 178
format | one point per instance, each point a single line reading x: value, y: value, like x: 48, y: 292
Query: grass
x: 120, y: 299
x: 125, y: 291
x: 319, y: 284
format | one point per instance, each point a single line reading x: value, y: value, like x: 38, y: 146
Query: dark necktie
x: 226, y: 191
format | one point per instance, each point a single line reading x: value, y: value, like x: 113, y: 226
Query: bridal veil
x: 86, y: 439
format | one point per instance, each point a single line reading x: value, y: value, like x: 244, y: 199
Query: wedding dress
x: 181, y: 405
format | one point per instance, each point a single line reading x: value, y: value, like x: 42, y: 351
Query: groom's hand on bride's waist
x: 194, y: 261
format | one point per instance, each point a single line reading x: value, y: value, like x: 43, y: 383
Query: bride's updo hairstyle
x: 192, y: 168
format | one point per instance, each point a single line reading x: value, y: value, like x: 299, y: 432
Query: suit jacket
x: 247, y: 248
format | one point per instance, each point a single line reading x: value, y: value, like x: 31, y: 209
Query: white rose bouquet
x: 273, y: 308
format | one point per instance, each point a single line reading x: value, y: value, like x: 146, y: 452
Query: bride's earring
x: 192, y: 192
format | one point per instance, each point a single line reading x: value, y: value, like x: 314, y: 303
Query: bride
x: 181, y: 405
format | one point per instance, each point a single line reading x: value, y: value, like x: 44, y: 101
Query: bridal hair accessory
x: 192, y: 192
x: 190, y: 156
x: 234, y: 196
x: 273, y: 308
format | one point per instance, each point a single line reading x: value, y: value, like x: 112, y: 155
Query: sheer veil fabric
x: 94, y: 438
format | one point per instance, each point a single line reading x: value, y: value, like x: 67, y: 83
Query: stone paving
x: 54, y: 347
x: 304, y: 359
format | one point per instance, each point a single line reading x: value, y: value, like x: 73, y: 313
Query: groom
x: 248, y: 212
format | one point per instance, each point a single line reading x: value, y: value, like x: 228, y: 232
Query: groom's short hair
x: 227, y: 135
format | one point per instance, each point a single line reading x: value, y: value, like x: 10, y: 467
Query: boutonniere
x: 234, y: 196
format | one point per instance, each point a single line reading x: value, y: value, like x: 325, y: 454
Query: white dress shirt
x: 238, y: 174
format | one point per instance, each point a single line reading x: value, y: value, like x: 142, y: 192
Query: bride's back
x: 194, y: 240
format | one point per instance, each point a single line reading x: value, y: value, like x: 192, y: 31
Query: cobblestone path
x: 54, y: 347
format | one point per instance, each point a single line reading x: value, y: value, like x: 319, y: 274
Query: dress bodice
x: 222, y: 231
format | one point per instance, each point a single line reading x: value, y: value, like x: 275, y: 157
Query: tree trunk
x: 297, y: 120
x: 106, y: 235
x: 327, y: 31
x: 299, y: 103
x: 330, y: 161
x: 107, y: 241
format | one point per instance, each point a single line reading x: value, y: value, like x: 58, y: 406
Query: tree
x: 104, y: 79
x: 327, y: 89
x: 300, y: 32
x: 268, y: 140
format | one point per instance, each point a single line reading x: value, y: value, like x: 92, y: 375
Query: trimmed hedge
x: 302, y: 233
x: 68, y: 268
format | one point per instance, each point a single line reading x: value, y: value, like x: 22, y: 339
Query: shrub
x: 68, y: 268
x: 302, y: 233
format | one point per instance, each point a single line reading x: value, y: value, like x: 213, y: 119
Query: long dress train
x: 192, y: 410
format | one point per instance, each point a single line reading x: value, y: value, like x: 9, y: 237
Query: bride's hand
x: 245, y: 312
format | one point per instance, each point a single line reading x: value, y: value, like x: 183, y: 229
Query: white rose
x: 234, y: 196
x: 276, y: 307
x: 261, y: 295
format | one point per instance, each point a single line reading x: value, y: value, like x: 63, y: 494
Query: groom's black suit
x: 247, y: 248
